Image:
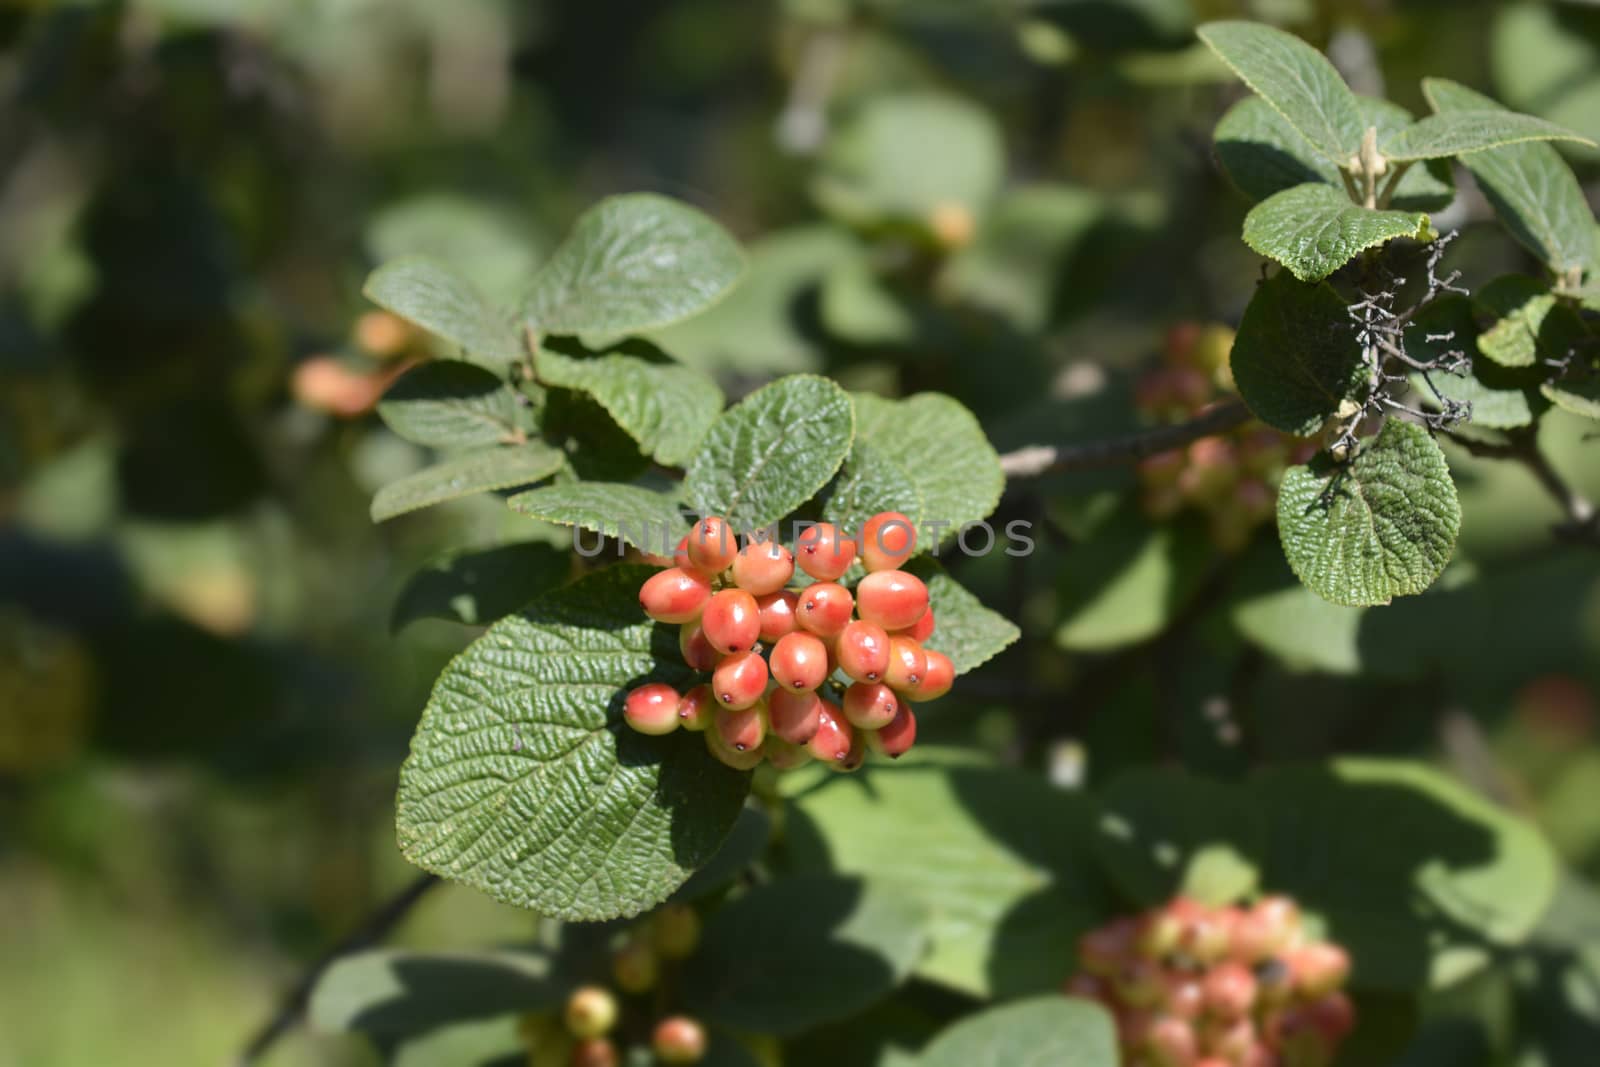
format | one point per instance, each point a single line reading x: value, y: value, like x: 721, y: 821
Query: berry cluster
x: 1232, y: 478
x: 1194, y: 986
x: 776, y: 654
x: 597, y: 1019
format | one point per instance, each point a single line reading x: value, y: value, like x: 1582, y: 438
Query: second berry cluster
x: 822, y: 672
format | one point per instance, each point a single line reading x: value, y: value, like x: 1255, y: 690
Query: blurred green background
x: 204, y: 695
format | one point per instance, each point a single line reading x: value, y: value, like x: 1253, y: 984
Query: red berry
x: 698, y: 708
x: 825, y: 608
x: 674, y: 595
x: 800, y: 662
x: 823, y: 552
x: 740, y: 680
x: 594, y: 1052
x: 1319, y: 968
x: 782, y: 755
x: 896, y: 739
x: 870, y: 705
x: 697, y: 652
x: 794, y: 717
x: 590, y: 1011
x: 1230, y: 990
x: 908, y: 665
x: 732, y: 757
x: 680, y: 555
x: 635, y: 968
x: 1186, y: 996
x: 679, y: 1039
x: 1254, y: 938
x: 936, y: 682
x: 887, y: 540
x: 894, y: 600
x: 763, y: 567
x: 863, y: 651
x: 732, y: 621
x: 1084, y: 987
x: 1170, y: 1042
x: 652, y: 709
x: 1333, y: 1015
x: 832, y: 741
x: 712, y: 545
x: 778, y: 614
x: 922, y: 629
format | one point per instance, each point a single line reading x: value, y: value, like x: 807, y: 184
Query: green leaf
x: 1531, y: 326
x: 446, y: 403
x: 1129, y: 581
x: 1578, y: 393
x: 488, y: 244
x: 443, y: 303
x: 1295, y: 358
x: 966, y: 631
x: 860, y: 307
x: 803, y: 951
x: 479, y: 586
x: 1007, y: 902
x: 1051, y: 1031
x: 772, y: 451
x: 1545, y: 59
x: 394, y: 992
x: 465, y: 474
x: 664, y: 406
x: 633, y: 263
x: 1344, y: 842
x: 648, y: 520
x: 1314, y: 229
x: 1264, y: 155
x: 1381, y: 526
x: 524, y: 780
x: 744, y: 846
x: 871, y: 481
x: 1458, y: 133
x: 902, y: 155
x: 1447, y: 325
x: 1296, y: 79
x: 941, y: 445
x: 1161, y: 834
x: 496, y: 1042
x: 1531, y: 187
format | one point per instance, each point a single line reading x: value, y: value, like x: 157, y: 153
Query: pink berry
x: 825, y: 609
x: 1319, y: 968
x: 739, y: 680
x: 679, y: 1039
x: 1170, y: 1042
x: 887, y: 541
x: 652, y: 709
x: 863, y: 651
x: 794, y: 717
x: 831, y: 743
x: 712, y: 545
x: 593, y: 1052
x: 762, y: 567
x: 743, y: 730
x: 732, y: 757
x: 674, y: 595
x: 895, y: 739
x: 1103, y: 950
x: 1230, y: 990
x: 1186, y: 996
x: 922, y: 629
x: 1085, y: 987
x: 908, y: 665
x: 937, y: 680
x: 697, y: 652
x: 778, y: 614
x: 823, y: 552
x: 870, y: 705
x: 732, y: 621
x: 697, y: 709
x: 892, y: 599
x: 800, y: 662
x: 681, y: 559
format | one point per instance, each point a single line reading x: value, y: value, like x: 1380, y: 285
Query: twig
x: 1583, y: 521
x: 372, y: 929
x: 1035, y: 460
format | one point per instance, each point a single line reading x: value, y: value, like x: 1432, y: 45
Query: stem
x: 1035, y: 460
x: 378, y: 923
x: 1350, y: 186
x: 1583, y: 522
x: 1387, y: 192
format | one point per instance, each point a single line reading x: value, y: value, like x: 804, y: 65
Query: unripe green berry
x: 635, y: 968
x: 863, y: 651
x: 679, y: 1039
x: 825, y: 609
x: 1140, y: 983
x: 762, y: 567
x: 794, y: 717
x: 652, y: 709
x: 712, y: 545
x: 800, y: 662
x: 732, y: 621
x: 674, y: 595
x: 892, y: 599
x: 823, y: 552
x: 740, y: 680
x: 677, y: 931
x: 590, y: 1011
x: 887, y: 540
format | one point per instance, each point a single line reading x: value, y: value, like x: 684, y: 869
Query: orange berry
x: 739, y: 680
x: 712, y: 544
x: 823, y: 552
x: 825, y: 609
x: 674, y: 595
x: 892, y: 599
x: 762, y: 567
x: 887, y: 540
x: 863, y: 651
